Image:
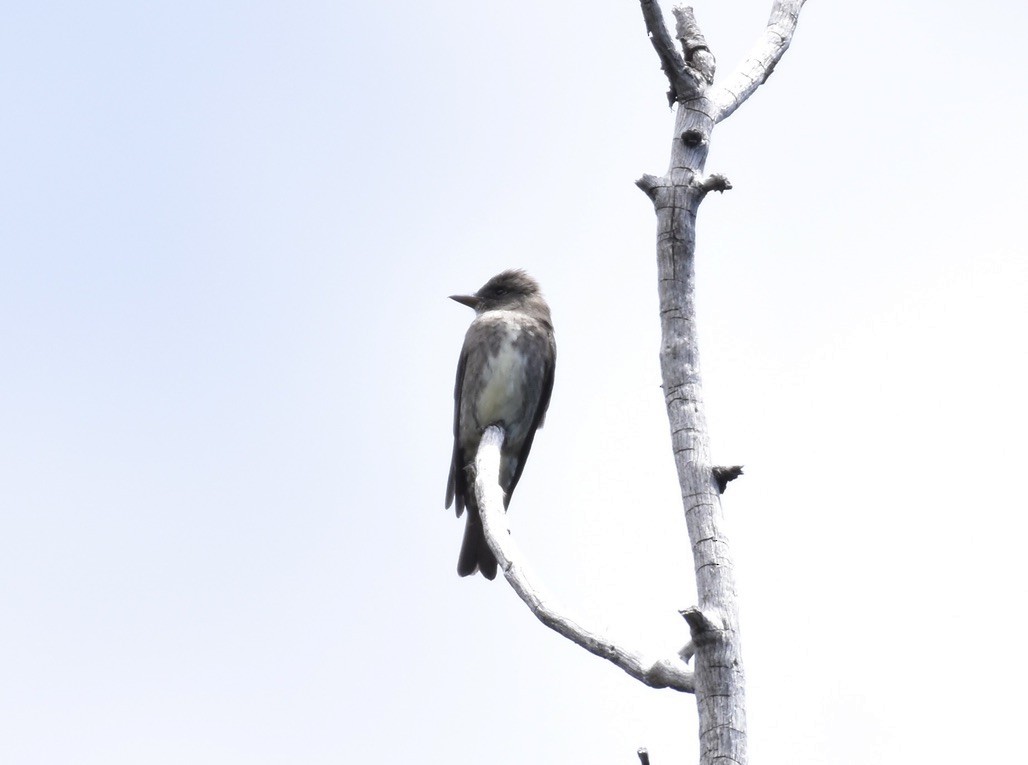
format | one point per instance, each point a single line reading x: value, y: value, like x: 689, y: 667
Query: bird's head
x: 508, y: 291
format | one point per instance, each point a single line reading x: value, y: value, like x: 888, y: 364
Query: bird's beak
x: 471, y: 301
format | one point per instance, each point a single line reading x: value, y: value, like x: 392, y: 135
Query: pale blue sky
x: 227, y: 234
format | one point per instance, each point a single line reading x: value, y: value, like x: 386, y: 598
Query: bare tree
x: 717, y: 680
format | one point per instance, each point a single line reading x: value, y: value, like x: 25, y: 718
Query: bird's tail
x: 475, y: 554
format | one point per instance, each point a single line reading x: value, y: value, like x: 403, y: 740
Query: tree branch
x: 694, y: 45
x: 722, y: 475
x: 713, y: 182
x: 671, y: 60
x: 688, y: 76
x: 661, y: 673
x: 758, y: 65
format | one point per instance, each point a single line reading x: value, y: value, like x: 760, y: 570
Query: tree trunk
x: 719, y: 679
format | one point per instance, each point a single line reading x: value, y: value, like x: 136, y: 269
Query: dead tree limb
x: 763, y: 56
x: 714, y: 623
x: 669, y: 672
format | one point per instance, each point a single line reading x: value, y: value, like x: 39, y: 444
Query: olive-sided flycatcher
x: 504, y: 377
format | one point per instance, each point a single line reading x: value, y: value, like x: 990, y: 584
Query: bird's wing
x: 540, y: 414
x: 544, y: 399
x: 456, y: 486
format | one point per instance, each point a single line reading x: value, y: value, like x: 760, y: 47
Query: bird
x: 505, y: 378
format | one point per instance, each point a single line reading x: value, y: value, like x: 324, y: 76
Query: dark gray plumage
x: 504, y: 377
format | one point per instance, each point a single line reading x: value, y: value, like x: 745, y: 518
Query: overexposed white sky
x: 227, y: 234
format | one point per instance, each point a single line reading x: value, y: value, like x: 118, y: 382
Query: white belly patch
x: 502, y: 397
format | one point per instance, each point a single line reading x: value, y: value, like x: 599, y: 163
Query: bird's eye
x: 501, y: 291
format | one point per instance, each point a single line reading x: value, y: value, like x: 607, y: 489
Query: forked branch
x: 691, y: 72
x: 688, y: 72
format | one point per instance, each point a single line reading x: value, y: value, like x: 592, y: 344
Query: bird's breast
x: 502, y: 398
